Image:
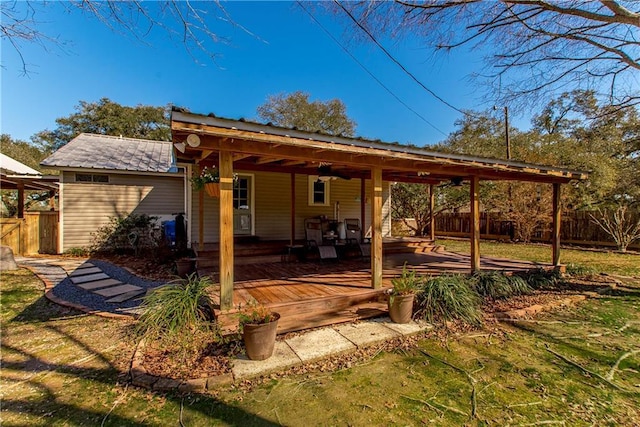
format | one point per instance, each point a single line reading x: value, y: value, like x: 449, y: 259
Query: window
x: 241, y: 193
x: 318, y: 191
x: 87, y: 177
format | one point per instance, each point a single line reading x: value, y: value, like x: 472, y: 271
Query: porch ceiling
x: 268, y: 148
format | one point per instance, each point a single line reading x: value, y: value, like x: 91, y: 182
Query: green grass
x: 602, y: 261
x: 62, y: 368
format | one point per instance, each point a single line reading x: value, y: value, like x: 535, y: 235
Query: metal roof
x: 104, y: 152
x: 438, y: 165
x: 11, y: 166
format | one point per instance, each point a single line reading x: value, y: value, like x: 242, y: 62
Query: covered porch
x: 237, y: 145
x: 313, y: 294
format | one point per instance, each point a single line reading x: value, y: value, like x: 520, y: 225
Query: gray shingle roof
x: 91, y: 151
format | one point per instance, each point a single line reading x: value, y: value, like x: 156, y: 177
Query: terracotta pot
x: 260, y: 339
x: 401, y: 308
x: 212, y: 189
x: 184, y: 267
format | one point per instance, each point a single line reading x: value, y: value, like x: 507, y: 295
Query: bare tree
x: 195, y: 24
x: 622, y: 227
x: 534, y: 47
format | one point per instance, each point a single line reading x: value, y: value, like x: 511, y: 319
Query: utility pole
x: 506, y: 132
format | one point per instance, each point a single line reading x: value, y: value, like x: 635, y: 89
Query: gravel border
x: 68, y: 291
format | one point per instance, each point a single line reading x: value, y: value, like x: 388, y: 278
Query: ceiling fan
x: 325, y: 173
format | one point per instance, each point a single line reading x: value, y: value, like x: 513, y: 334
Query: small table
x: 293, y: 251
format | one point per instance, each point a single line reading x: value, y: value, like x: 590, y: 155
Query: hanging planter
x: 212, y: 189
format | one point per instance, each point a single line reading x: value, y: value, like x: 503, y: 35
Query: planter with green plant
x: 402, y: 294
x: 209, y: 180
x: 258, y: 326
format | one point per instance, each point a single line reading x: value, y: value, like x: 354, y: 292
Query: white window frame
x: 327, y: 199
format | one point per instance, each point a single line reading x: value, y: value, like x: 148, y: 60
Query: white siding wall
x: 85, y: 207
x: 273, y: 211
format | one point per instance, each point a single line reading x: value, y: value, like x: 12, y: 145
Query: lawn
x: 573, y: 367
x: 611, y: 262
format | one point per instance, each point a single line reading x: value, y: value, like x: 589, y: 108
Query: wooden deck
x: 312, y: 294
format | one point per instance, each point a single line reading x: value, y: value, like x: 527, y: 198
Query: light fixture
x: 193, y: 140
x: 325, y: 178
x: 180, y: 146
x: 456, y: 181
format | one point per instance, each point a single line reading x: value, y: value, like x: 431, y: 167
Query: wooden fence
x: 577, y: 228
x: 36, y: 233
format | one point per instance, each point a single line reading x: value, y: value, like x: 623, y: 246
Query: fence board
x: 577, y: 228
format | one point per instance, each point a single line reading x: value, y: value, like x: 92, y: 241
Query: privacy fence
x: 36, y: 233
x: 577, y: 229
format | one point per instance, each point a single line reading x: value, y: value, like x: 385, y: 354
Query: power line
x: 369, y: 72
x: 368, y: 33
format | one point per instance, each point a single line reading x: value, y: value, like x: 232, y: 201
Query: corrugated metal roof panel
x: 91, y: 151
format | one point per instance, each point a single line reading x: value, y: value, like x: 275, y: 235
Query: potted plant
x: 185, y: 266
x: 258, y: 326
x: 209, y: 180
x: 402, y: 294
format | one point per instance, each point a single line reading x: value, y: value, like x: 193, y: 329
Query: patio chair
x: 355, y: 237
x: 315, y: 241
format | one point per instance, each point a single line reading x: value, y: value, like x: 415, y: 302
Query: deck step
x: 316, y: 312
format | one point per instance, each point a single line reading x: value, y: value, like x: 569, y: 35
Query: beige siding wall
x: 85, y: 207
x: 273, y: 206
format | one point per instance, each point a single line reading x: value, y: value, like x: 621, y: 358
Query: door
x: 243, y: 205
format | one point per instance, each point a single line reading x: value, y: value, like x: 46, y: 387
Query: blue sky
x: 289, y: 52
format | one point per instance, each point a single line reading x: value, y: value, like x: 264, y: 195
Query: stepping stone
x: 126, y: 296
x: 283, y: 357
x: 116, y: 290
x: 89, y: 278
x: 366, y: 333
x: 318, y: 344
x: 85, y: 271
x: 99, y: 284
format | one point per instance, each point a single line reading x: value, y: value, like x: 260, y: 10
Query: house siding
x: 273, y: 212
x: 86, y: 207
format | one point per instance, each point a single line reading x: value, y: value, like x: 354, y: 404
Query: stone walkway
x: 85, y: 277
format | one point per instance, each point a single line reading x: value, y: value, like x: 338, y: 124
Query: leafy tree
x: 534, y: 47
x: 109, y: 118
x: 26, y: 153
x: 296, y: 111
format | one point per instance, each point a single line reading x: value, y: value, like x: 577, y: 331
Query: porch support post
x: 293, y: 208
x: 557, y: 220
x: 376, y: 228
x: 200, y: 214
x: 475, y: 224
x: 20, y: 212
x: 363, y: 206
x: 226, y: 230
x: 432, y: 205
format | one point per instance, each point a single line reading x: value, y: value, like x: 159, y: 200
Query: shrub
x: 80, y: 252
x: 449, y: 297
x: 580, y: 270
x: 539, y: 278
x: 495, y: 284
x: 127, y: 233
x: 178, y: 308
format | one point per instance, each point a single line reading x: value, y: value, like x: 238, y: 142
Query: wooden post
x: 376, y: 228
x: 432, y: 206
x: 293, y: 208
x: 363, y: 207
x: 475, y: 224
x: 20, y: 212
x: 557, y: 220
x: 226, y: 229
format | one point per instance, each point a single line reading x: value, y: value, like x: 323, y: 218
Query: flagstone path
x: 108, y: 287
